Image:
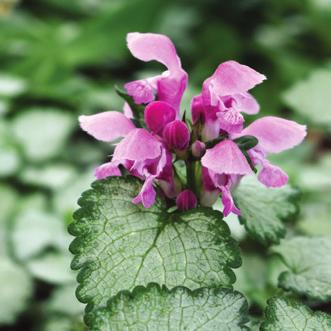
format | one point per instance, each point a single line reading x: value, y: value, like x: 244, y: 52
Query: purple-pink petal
x: 147, y: 194
x: 231, y: 121
x: 228, y: 203
x: 276, y: 134
x: 226, y: 158
x: 151, y: 46
x: 169, y: 86
x: 245, y: 103
x: 138, y: 145
x: 231, y: 78
x: 141, y: 91
x: 272, y: 176
x: 108, y: 169
x: 158, y: 114
x: 106, y: 126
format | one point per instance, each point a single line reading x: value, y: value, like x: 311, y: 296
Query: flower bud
x: 198, y: 149
x: 186, y: 200
x: 158, y: 114
x: 177, y: 135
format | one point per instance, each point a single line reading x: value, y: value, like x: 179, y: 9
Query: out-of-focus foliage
x: 59, y: 59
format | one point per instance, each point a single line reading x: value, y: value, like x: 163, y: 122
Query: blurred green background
x: 59, y: 59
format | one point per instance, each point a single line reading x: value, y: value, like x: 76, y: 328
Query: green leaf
x: 120, y: 245
x: 42, y: 132
x: 52, y: 176
x: 309, y: 266
x: 53, y: 267
x: 10, y: 160
x: 312, y: 97
x: 286, y: 314
x: 153, y: 308
x: 263, y: 209
x: 34, y: 230
x: 252, y: 279
x: 8, y: 198
x: 246, y: 142
x: 11, y: 86
x: 15, y: 290
x: 63, y: 301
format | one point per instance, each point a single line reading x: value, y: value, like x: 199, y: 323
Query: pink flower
x: 223, y: 164
x: 224, y: 97
x: 171, y: 84
x: 215, y: 165
x: 274, y: 135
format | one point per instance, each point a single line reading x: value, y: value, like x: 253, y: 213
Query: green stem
x: 193, y: 171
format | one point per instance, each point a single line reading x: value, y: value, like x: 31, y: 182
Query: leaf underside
x: 120, y: 245
x: 309, y: 266
x: 283, y: 314
x: 153, y: 308
x: 263, y: 210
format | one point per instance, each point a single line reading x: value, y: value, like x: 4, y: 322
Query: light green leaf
x: 11, y: 86
x: 315, y: 217
x: 312, y: 97
x: 309, y: 266
x: 286, y: 314
x: 15, y: 290
x: 35, y: 230
x: 8, y: 198
x: 10, y: 160
x: 42, y: 132
x: 120, y: 245
x: 153, y: 308
x: 252, y: 279
x: 63, y: 301
x: 53, y: 267
x: 65, y: 200
x: 263, y: 209
x: 53, y: 176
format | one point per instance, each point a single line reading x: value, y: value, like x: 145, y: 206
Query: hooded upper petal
x: 151, y: 46
x: 106, y: 126
x: 172, y: 83
x: 276, y: 134
x: 226, y: 158
x: 138, y: 145
x: 231, y: 78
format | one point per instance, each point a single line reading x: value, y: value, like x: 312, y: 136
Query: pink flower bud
x: 186, y: 200
x: 177, y: 135
x: 158, y: 114
x: 198, y: 149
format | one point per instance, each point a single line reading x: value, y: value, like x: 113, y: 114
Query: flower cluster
x: 215, y: 147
